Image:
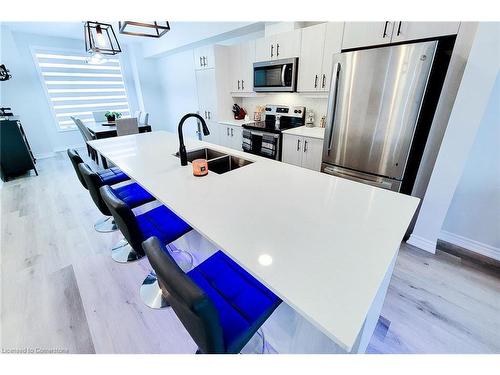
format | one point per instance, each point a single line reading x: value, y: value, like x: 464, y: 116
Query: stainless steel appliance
x: 275, y: 76
x: 373, y: 108
x: 264, y: 137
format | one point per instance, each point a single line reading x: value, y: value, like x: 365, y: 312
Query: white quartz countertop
x: 235, y: 122
x: 321, y: 243
x: 304, y: 131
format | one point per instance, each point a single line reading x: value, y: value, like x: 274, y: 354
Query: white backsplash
x: 318, y: 105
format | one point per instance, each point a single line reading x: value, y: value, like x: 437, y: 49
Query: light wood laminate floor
x: 60, y: 290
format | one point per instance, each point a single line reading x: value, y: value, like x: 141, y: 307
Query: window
x: 77, y: 88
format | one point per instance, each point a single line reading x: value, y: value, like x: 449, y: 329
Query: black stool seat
x: 133, y: 194
x: 220, y: 304
x: 162, y: 223
x: 112, y: 176
x: 243, y: 303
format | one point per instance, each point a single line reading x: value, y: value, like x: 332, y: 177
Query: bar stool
x: 159, y: 222
x: 109, y: 176
x: 220, y: 304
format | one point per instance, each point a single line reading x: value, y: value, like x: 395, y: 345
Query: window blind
x: 77, y: 88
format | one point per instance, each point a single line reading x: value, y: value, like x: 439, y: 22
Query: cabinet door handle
x: 205, y: 115
x: 316, y: 81
x: 238, y: 84
x: 209, y: 115
x: 385, y: 29
x: 323, y: 84
x: 272, y: 47
x: 227, y: 131
x: 232, y: 135
x: 242, y: 85
x: 298, y: 144
x: 305, y: 146
x: 277, y: 49
x: 204, y: 61
x: 201, y: 61
x: 399, y: 29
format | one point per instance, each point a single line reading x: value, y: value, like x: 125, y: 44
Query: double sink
x: 218, y: 162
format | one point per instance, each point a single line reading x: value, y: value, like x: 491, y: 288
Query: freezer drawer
x: 373, y: 107
x: 365, y: 178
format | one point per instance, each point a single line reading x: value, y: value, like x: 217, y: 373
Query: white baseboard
x: 472, y: 245
x: 422, y: 243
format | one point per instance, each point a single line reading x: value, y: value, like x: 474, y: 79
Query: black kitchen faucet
x: 182, y: 148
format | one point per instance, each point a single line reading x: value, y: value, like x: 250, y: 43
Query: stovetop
x: 265, y: 126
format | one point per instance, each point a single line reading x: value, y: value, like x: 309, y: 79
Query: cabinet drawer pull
x: 323, y: 84
x: 385, y: 29
x: 316, y: 81
x: 298, y: 144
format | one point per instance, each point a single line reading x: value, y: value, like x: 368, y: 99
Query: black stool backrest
x: 75, y: 160
x: 192, y: 306
x: 124, y: 218
x: 94, y: 183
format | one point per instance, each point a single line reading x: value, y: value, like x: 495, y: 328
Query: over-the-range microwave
x: 275, y: 75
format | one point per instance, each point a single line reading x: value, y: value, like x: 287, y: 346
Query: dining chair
x: 87, y: 136
x: 144, y: 118
x: 126, y: 126
x: 99, y: 117
x: 138, y: 114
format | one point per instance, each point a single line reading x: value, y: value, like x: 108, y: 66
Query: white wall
x: 473, y: 219
x: 26, y: 95
x: 468, y: 110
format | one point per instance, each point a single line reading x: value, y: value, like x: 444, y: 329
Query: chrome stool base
x: 151, y: 293
x: 105, y: 225
x: 125, y: 254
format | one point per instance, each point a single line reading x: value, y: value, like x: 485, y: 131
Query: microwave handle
x: 283, y: 72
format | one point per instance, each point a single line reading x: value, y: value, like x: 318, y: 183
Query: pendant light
x: 100, y: 38
x: 156, y: 29
x: 4, y: 73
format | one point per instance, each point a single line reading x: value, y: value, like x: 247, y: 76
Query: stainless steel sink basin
x: 226, y: 163
x: 218, y: 162
x: 203, y: 153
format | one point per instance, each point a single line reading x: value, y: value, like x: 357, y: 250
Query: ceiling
x: 181, y: 35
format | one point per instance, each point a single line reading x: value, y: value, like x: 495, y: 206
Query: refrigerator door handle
x: 333, y: 106
x: 376, y: 181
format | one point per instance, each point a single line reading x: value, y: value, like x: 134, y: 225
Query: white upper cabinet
x: 311, y: 57
x: 241, y: 58
x: 319, y: 43
x: 333, y: 45
x: 204, y: 58
x: 404, y: 31
x: 363, y: 34
x: 279, y: 46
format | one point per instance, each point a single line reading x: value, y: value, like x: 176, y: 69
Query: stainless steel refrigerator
x: 373, y: 107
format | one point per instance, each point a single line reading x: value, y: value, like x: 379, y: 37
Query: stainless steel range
x: 264, y: 137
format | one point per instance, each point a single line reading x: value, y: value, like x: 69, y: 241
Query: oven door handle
x: 262, y: 133
x: 283, y: 72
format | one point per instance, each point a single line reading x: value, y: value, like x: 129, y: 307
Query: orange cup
x: 200, y: 167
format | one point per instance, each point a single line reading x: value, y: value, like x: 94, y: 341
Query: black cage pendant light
x: 100, y: 38
x: 4, y: 73
x: 156, y: 29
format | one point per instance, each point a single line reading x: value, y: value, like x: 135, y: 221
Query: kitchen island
x: 325, y: 245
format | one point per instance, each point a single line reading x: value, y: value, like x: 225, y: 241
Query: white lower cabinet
x: 231, y: 136
x: 302, y: 151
